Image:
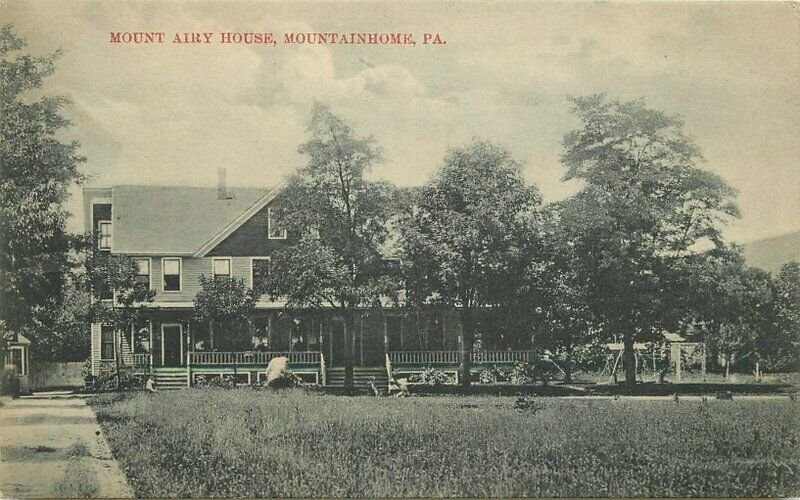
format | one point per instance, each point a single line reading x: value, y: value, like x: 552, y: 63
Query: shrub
x: 431, y: 377
x: 9, y: 384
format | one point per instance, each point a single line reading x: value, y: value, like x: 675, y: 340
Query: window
x: 259, y: 271
x: 172, y: 275
x: 104, y: 235
x: 221, y: 268
x: 106, y: 342
x: 274, y: 231
x: 143, y: 272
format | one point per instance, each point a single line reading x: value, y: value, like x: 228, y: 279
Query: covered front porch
x: 385, y: 344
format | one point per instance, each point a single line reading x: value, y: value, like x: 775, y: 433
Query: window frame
x: 252, y: 274
x: 100, y: 225
x: 112, y: 342
x: 283, y: 236
x: 163, y: 274
x: 214, y: 274
x: 149, y: 270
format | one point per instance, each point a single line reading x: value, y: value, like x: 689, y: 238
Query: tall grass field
x: 245, y: 442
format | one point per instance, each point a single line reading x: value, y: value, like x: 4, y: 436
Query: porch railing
x: 251, y: 357
x: 139, y: 360
x: 453, y: 357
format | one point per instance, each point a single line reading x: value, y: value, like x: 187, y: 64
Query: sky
x: 172, y: 114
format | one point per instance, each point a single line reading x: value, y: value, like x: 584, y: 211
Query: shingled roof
x: 175, y: 220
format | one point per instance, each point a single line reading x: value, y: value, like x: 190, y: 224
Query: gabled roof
x: 178, y: 220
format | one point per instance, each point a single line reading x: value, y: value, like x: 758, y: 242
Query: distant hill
x: 770, y: 253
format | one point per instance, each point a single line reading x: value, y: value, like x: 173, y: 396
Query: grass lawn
x: 247, y: 442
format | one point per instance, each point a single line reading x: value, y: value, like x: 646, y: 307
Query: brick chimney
x: 222, y: 187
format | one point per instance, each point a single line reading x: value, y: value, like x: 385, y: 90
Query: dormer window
x: 104, y: 235
x: 274, y: 230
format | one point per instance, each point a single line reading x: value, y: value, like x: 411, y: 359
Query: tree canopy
x: 338, y: 223
x: 645, y: 206
x: 37, y: 171
x: 463, y: 238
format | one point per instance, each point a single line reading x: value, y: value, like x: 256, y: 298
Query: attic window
x: 274, y: 231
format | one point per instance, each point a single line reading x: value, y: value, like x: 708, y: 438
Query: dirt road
x: 53, y: 447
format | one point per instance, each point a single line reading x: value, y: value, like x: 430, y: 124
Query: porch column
x: 269, y: 331
x: 444, y: 330
x: 361, y: 338
x: 402, y: 322
x: 385, y: 334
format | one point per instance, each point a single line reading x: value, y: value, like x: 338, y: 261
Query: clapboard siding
x: 191, y: 269
x: 95, y: 348
x: 250, y: 239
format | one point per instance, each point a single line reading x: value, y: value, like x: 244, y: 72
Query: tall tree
x: 644, y: 208
x: 338, y: 223
x: 557, y: 288
x: 37, y: 170
x: 463, y: 239
x: 223, y: 301
x: 116, y: 276
x: 787, y: 316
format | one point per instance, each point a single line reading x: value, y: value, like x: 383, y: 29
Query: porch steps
x: 361, y: 378
x: 169, y: 378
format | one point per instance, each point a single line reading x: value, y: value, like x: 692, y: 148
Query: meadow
x: 246, y: 442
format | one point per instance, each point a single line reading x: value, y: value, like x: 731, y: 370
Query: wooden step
x: 169, y: 378
x: 361, y: 378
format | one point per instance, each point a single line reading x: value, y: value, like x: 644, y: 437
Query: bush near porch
x: 291, y: 443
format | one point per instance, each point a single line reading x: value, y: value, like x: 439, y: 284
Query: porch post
x: 444, y: 330
x: 402, y: 342
x: 190, y: 339
x: 385, y: 334
x: 361, y: 338
x: 269, y: 331
x: 152, y: 346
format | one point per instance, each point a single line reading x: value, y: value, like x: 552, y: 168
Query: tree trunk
x: 629, y: 358
x: 467, y: 340
x: 211, y: 334
x: 568, y: 365
x: 349, y: 330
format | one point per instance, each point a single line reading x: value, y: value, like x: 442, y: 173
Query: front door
x: 172, y: 345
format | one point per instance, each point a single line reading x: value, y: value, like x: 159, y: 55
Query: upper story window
x: 104, y: 235
x: 171, y: 274
x: 221, y: 267
x: 274, y: 230
x: 259, y: 272
x: 143, y: 272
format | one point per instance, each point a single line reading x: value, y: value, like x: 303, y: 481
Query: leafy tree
x: 644, y: 208
x: 61, y: 332
x: 336, y: 259
x: 223, y: 301
x: 787, y: 316
x: 464, y: 238
x: 556, y: 291
x: 117, y: 275
x: 37, y: 170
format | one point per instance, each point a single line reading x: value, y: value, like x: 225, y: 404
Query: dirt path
x: 53, y: 447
